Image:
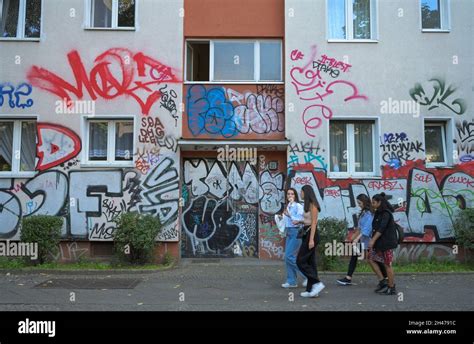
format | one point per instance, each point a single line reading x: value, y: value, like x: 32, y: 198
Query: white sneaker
x: 317, y: 288
x: 305, y: 283
x: 308, y: 294
x: 288, y: 285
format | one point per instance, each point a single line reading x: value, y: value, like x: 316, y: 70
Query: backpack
x: 399, y: 232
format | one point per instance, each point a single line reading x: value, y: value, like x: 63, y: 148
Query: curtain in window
x: 6, y: 146
x: 434, y: 144
x: 102, y: 13
x: 98, y: 140
x: 363, y: 147
x: 9, y: 18
x: 28, y: 146
x: 361, y: 19
x: 124, y: 141
x: 337, y: 19
x: 338, y: 144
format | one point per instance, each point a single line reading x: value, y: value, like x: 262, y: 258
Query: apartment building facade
x: 202, y: 112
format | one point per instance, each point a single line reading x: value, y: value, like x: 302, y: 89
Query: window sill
x: 427, y: 165
x: 110, y: 28
x: 15, y: 39
x: 353, y: 40
x: 234, y: 82
x: 436, y: 30
x: 107, y: 164
x: 19, y: 175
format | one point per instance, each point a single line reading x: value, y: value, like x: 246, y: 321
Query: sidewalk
x: 230, y: 284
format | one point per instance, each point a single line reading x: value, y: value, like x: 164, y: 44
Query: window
x: 110, y: 141
x: 20, y: 19
x: 17, y: 146
x: 435, y: 15
x: 435, y: 144
x: 112, y: 14
x: 234, y: 60
x: 351, y: 19
x: 352, y: 147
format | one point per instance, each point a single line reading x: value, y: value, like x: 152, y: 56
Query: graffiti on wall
x: 217, y: 111
x: 435, y: 94
x: 16, y: 96
x: 222, y: 205
x: 426, y: 201
x: 314, y: 81
x: 56, y: 145
x: 118, y: 72
x: 397, y: 149
x: 306, y: 153
x: 465, y: 141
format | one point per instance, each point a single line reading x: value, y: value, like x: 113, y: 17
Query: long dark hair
x: 297, y: 199
x: 309, y: 198
x: 384, y: 204
x: 366, y: 206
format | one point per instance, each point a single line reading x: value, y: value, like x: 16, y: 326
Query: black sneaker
x: 389, y: 291
x: 344, y: 281
x: 383, y: 285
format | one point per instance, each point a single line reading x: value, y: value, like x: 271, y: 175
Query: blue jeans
x: 292, y: 247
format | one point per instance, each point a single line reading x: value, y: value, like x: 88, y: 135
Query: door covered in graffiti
x: 220, y: 210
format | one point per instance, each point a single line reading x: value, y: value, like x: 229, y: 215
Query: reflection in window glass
x: 9, y: 23
x: 33, y: 18
x: 6, y: 146
x: 434, y: 144
x: 361, y: 19
x: 126, y: 13
x: 430, y: 14
x: 28, y: 146
x: 270, y: 61
x: 233, y: 61
x: 98, y: 141
x: 363, y: 147
x: 102, y: 13
x: 338, y: 144
x: 124, y: 141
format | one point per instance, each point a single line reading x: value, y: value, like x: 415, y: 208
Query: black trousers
x: 306, y: 260
x: 353, y: 265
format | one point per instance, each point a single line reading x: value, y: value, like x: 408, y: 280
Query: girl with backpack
x: 384, y: 240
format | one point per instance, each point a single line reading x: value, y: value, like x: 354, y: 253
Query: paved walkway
x: 233, y: 284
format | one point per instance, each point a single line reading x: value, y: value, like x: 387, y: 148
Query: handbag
x: 280, y: 223
x: 302, y: 231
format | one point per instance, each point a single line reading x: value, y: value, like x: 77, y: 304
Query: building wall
x: 126, y: 73
x: 426, y: 199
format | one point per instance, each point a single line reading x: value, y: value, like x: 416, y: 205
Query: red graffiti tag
x: 461, y: 180
x: 137, y: 75
x: 296, y: 55
x: 56, y: 144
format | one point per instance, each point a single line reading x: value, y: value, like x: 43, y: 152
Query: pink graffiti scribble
x: 296, y: 55
x: 311, y: 87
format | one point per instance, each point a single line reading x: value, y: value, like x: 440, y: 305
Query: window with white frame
x: 20, y: 19
x: 17, y: 146
x: 234, y: 60
x: 435, y: 143
x: 352, y: 19
x: 435, y: 15
x: 109, y: 141
x: 112, y: 14
x: 351, y: 147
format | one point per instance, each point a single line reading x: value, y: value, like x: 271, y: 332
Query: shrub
x: 45, y: 231
x: 134, y: 237
x: 464, y: 228
x: 330, y: 229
